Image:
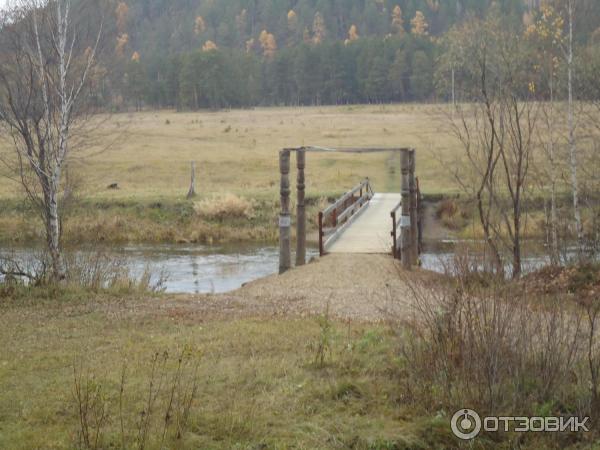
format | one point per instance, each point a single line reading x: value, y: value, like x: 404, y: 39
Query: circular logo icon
x: 466, y: 424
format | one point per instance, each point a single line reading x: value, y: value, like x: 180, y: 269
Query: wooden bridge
x: 360, y: 221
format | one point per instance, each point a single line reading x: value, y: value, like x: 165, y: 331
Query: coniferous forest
x: 190, y: 54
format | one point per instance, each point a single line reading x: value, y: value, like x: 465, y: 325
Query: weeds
x: 26, y: 276
x: 498, y: 348
x: 166, y: 404
x: 323, y: 345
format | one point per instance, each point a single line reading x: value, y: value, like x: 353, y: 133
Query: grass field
x: 148, y: 155
x: 259, y: 385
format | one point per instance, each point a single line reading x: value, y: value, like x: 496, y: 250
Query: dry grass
x: 258, y: 386
x: 228, y: 206
x: 150, y: 153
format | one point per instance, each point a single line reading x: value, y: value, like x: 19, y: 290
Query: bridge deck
x: 370, y: 232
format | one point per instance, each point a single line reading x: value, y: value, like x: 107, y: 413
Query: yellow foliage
x: 135, y: 57
x: 319, y: 30
x: 122, y: 41
x: 434, y: 5
x: 199, y: 26
x: 419, y: 25
x: 249, y: 45
x: 292, y: 19
x: 353, y: 33
x: 122, y: 11
x: 209, y: 46
x: 268, y: 43
x: 397, y: 20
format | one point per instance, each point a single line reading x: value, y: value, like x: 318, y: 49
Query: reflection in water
x: 200, y: 269
x: 204, y: 269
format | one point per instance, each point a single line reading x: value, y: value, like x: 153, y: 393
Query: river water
x: 217, y: 269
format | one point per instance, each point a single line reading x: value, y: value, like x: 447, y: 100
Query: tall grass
x: 499, y: 348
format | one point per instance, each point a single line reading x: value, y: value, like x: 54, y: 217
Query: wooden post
x: 405, y: 219
x: 414, y: 230
x: 285, y: 221
x: 301, y: 211
x: 321, y: 235
x: 419, y: 217
x: 192, y: 191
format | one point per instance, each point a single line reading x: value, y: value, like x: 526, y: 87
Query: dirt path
x: 357, y: 287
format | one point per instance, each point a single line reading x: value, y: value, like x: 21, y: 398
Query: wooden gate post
x: 405, y: 220
x: 285, y: 221
x: 414, y: 230
x: 192, y: 191
x: 300, y: 210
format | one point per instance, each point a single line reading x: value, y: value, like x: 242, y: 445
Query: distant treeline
x: 191, y: 54
x: 368, y: 70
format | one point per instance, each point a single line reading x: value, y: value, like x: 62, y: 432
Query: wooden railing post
x: 285, y: 221
x: 405, y: 226
x: 321, y: 235
x: 301, y: 211
x: 394, y: 239
x: 414, y: 229
x: 419, y: 216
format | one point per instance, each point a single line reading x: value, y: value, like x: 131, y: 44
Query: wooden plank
x: 370, y: 230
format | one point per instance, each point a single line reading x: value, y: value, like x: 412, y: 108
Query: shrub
x: 495, y: 347
x: 228, y: 206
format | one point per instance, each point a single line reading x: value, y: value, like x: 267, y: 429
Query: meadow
x: 148, y: 155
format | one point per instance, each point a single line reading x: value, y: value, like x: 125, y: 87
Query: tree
x: 397, y: 20
x: 398, y: 74
x: 268, y: 44
x: 419, y: 25
x: 199, y: 25
x: 496, y: 130
x: 352, y: 34
x: 545, y: 35
x: 46, y: 61
x: 421, y: 79
x: 122, y: 14
x: 319, y: 30
x: 573, y: 162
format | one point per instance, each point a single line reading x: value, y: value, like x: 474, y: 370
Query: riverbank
x: 315, y: 358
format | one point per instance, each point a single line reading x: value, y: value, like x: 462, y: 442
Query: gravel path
x: 356, y: 287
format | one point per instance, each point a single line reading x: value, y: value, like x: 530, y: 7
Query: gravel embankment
x: 357, y: 287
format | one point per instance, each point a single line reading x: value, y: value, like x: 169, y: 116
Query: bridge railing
x: 335, y: 217
x: 396, y: 228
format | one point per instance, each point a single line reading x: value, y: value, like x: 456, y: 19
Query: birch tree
x: 45, y: 61
x: 496, y: 130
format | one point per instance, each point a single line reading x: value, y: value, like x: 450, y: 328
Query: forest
x: 238, y: 53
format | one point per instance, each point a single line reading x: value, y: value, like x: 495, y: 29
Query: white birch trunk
x: 572, y: 141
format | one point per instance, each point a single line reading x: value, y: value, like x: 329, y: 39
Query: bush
x: 229, y: 206
x: 497, y: 348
